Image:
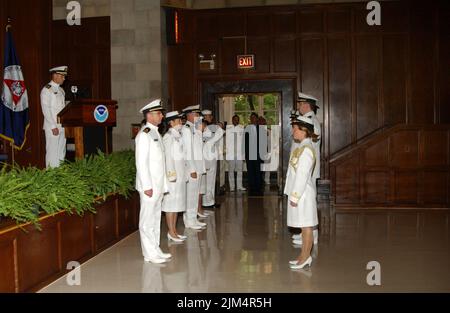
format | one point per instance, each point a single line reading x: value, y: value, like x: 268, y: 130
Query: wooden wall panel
x: 181, y: 68
x: 367, y: 85
x: 105, y: 224
x: 284, y: 55
x: 42, y: 247
x: 260, y: 47
x: 397, y: 18
x: 394, y: 79
x: 421, y: 110
x: 339, y: 67
x: 284, y: 23
x: 258, y: 23
x: 434, y: 148
x: 207, y: 27
x: 347, y: 181
x: 403, y: 149
x: 310, y: 21
x: 75, y: 238
x: 435, y: 187
x: 376, y: 187
x: 31, y: 29
x: 7, y: 272
x: 444, y: 79
x: 406, y: 187
x: 312, y: 69
x: 86, y: 49
x: 231, y: 47
x: 338, y: 20
x: 377, y: 155
x: 232, y: 24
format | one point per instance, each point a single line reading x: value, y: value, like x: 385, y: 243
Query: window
x: 266, y: 105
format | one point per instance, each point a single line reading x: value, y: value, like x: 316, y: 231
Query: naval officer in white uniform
x: 307, y: 106
x: 235, y: 153
x: 52, y: 102
x: 193, y: 147
x: 174, y: 201
x: 213, y: 138
x: 151, y: 182
x: 300, y: 189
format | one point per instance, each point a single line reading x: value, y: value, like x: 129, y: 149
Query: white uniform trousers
x: 210, y: 197
x: 55, y: 148
x: 193, y: 191
x: 150, y: 224
x: 235, y: 166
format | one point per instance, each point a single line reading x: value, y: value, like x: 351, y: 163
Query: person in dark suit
x: 252, y: 157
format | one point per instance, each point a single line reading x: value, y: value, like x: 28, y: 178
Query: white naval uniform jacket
x: 300, y: 187
x: 212, y: 136
x: 175, y: 200
x: 316, y: 145
x: 52, y: 102
x: 150, y: 163
x: 193, y: 147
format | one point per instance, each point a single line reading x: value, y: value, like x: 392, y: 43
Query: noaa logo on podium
x: 101, y: 113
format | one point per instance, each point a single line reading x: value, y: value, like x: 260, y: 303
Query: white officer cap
x: 155, y: 105
x: 192, y: 109
x: 59, y: 70
x: 206, y: 112
x: 172, y: 116
x: 303, y: 97
x: 304, y: 122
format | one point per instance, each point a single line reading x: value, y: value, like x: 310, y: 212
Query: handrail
x: 379, y: 135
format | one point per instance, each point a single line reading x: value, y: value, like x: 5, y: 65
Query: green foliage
x: 72, y: 187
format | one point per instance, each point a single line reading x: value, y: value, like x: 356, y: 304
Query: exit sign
x: 246, y: 61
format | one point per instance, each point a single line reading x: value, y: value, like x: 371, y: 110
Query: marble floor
x: 246, y: 248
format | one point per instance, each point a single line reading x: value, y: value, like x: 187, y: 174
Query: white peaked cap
x: 192, y: 109
x: 207, y: 112
x: 308, y: 98
x: 155, y: 105
x: 60, y: 70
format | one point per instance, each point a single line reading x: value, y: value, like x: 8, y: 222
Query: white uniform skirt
x: 305, y: 214
x: 175, y: 200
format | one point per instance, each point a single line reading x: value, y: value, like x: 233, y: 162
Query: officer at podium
x: 52, y: 102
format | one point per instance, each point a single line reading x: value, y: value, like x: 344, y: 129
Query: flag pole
x: 12, y: 154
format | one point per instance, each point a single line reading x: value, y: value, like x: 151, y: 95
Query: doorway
x: 268, y: 107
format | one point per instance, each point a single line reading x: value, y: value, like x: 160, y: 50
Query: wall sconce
x: 209, y: 64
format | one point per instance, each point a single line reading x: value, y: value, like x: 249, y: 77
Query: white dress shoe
x: 202, y: 215
x: 164, y: 255
x: 294, y: 262
x: 201, y: 224
x: 196, y: 227
x: 300, y: 266
x: 296, y: 236
x: 156, y: 260
x: 174, y: 239
x: 242, y: 189
x: 182, y: 237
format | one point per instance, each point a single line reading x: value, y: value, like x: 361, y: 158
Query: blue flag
x: 14, y: 117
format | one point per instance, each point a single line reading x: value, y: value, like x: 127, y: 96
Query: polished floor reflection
x: 246, y: 248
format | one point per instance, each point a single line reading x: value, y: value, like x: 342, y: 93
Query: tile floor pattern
x: 246, y: 248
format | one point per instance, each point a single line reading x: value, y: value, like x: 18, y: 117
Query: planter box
x: 31, y: 258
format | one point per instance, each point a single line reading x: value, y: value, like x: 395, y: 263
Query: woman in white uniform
x: 175, y: 201
x: 300, y: 189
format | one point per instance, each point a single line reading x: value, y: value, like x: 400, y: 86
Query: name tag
x: 155, y: 140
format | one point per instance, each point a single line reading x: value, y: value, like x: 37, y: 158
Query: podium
x: 89, y: 123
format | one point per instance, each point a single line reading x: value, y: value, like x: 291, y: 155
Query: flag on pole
x: 14, y: 114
